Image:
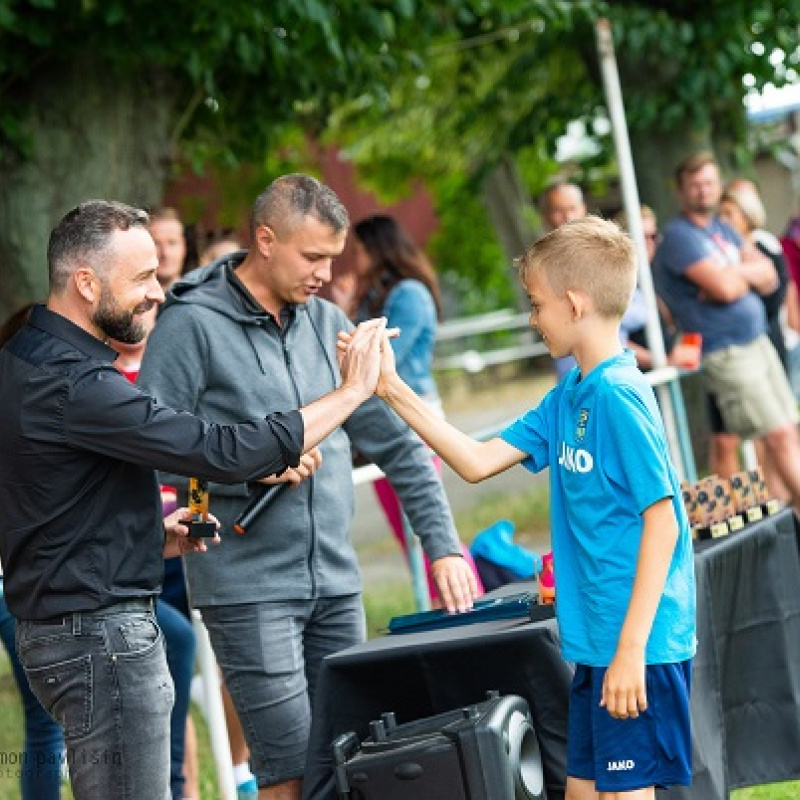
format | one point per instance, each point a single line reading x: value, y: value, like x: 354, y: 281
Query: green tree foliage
x: 452, y: 118
x: 497, y: 83
x: 511, y: 79
x: 101, y: 96
x: 465, y: 251
x: 240, y: 70
x: 411, y: 87
x: 686, y: 68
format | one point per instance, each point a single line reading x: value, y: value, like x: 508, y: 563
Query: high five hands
x: 370, y: 340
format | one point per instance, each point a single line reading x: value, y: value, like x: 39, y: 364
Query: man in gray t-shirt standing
x: 712, y: 286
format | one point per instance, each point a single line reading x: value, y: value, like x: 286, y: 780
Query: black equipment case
x: 486, y: 751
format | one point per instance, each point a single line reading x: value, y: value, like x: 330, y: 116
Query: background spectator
x: 166, y: 228
x: 713, y: 286
x: 678, y: 354
x: 397, y: 281
x: 741, y: 207
x: 219, y: 246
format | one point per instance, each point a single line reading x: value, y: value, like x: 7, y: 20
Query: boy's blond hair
x: 591, y: 255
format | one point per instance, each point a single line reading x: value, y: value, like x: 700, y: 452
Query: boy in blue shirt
x: 621, y: 543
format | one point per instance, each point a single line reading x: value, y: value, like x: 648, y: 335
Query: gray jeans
x: 103, y: 676
x: 270, y: 655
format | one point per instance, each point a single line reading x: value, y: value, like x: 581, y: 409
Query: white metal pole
x: 630, y: 196
x: 630, y: 191
x: 416, y: 563
x: 215, y: 712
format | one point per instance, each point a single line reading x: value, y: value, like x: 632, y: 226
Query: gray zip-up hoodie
x: 217, y: 353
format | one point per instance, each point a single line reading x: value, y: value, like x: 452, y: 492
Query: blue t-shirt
x: 721, y: 324
x: 605, y: 443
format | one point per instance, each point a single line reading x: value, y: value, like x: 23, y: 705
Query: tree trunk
x: 92, y: 135
x: 506, y: 200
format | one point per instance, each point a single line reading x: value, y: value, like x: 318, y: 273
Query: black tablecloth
x: 746, y: 678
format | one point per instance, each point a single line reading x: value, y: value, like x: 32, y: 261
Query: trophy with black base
x: 199, y: 524
x: 769, y: 505
x: 689, y: 494
x: 743, y: 497
x: 711, y: 509
x: 721, y: 487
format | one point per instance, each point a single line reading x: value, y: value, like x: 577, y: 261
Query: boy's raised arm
x: 472, y: 460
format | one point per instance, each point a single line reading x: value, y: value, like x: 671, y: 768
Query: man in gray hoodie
x: 246, y: 335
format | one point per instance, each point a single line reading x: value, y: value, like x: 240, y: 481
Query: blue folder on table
x: 524, y: 605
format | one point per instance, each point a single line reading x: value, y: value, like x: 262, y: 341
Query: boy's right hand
x: 624, y: 693
x: 359, y: 356
x: 388, y: 369
x: 388, y: 364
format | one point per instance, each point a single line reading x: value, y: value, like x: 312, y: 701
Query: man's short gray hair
x: 288, y: 200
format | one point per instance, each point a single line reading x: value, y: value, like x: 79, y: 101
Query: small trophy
x: 198, y: 522
x: 689, y: 494
x: 721, y: 487
x: 710, y: 501
x: 769, y: 505
x: 743, y: 497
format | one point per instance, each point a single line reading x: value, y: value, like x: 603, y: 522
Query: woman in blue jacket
x: 396, y: 280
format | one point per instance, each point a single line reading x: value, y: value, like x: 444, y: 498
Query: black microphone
x: 260, y: 502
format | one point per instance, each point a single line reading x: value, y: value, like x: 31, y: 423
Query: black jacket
x: 80, y: 510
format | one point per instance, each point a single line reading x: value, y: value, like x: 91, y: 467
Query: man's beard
x: 703, y: 208
x: 704, y: 205
x: 117, y: 323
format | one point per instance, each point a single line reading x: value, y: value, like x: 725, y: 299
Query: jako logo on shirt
x: 574, y: 459
x: 580, y: 428
x: 620, y: 766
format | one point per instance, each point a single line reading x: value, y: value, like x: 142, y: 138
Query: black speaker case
x: 486, y: 751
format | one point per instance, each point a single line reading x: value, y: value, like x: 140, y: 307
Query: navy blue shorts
x: 621, y: 755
